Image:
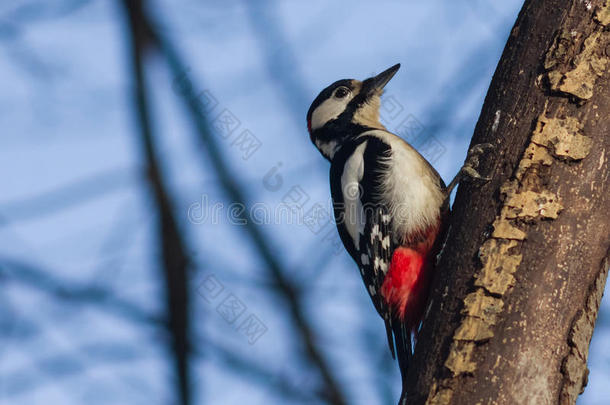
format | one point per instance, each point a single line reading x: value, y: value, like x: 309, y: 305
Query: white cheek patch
x: 327, y: 111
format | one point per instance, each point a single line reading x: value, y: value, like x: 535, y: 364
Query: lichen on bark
x: 575, y: 60
x: 562, y: 137
x: 525, y: 201
x: 510, y: 320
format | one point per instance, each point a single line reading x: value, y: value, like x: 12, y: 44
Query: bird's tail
x: 404, y: 352
x: 404, y: 289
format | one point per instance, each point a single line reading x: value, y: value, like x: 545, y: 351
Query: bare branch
x: 173, y: 247
x: 41, y: 279
x: 287, y: 290
x: 66, y: 196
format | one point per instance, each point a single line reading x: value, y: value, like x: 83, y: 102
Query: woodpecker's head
x: 345, y: 109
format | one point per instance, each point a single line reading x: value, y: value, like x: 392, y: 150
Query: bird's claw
x: 472, y: 161
x: 469, y: 171
x: 480, y: 148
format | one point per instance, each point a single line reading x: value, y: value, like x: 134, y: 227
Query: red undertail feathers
x: 405, y: 287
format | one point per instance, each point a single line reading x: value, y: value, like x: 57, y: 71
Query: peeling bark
x: 520, y: 280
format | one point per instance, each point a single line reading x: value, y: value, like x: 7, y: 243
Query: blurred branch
x: 41, y: 10
x: 101, y: 298
x: 66, y: 196
x: 261, y: 374
x: 443, y: 114
x: 282, y: 64
x: 33, y: 276
x: 76, y: 362
x: 287, y: 290
x: 174, y: 252
x: 12, y: 31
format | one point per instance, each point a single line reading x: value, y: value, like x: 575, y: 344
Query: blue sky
x: 75, y: 205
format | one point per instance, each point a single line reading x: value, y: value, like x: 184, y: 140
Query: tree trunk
x: 520, y: 280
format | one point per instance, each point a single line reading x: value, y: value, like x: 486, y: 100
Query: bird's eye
x: 341, y: 92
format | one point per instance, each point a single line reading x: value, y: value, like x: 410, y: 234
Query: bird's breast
x: 410, y: 188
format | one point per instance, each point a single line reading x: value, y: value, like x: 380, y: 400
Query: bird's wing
x: 357, y: 190
x: 376, y: 239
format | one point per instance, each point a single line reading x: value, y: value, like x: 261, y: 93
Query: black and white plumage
x: 389, y: 203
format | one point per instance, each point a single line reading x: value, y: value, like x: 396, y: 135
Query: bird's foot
x: 470, y: 167
x: 471, y: 173
x: 472, y: 161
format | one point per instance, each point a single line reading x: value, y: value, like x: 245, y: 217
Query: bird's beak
x: 384, y: 77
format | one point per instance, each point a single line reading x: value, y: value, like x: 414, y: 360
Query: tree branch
x: 520, y: 279
x: 287, y: 290
x: 175, y: 258
x: 33, y: 276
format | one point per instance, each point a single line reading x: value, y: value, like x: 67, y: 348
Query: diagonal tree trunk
x: 520, y: 280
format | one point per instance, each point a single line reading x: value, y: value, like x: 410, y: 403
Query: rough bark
x: 521, y: 277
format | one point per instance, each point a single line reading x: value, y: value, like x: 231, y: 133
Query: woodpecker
x: 390, y: 204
